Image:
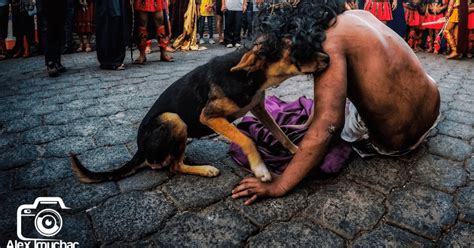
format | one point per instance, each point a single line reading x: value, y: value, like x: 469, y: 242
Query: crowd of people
x: 435, y: 26
x: 438, y: 26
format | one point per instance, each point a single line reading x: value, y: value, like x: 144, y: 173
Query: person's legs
x: 220, y: 31
x: 450, y: 38
x: 201, y: 29
x: 229, y: 27
x: 142, y: 34
x: 3, y: 30
x: 237, y: 28
x: 69, y: 26
x: 161, y: 36
x: 88, y: 43
x: 210, y: 20
x: 54, y: 13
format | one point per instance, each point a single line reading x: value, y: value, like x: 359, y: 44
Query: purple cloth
x: 293, y: 120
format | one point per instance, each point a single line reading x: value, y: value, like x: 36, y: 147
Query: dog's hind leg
x: 175, y: 142
x: 222, y: 126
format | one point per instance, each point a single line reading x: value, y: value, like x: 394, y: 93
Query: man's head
x: 289, y: 39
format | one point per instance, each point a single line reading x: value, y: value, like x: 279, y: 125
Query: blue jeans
x: 210, y: 20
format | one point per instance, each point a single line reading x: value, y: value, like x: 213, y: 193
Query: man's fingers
x: 243, y: 186
x: 243, y: 193
x: 251, y: 200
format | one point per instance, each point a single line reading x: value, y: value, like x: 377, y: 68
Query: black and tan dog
x: 204, y: 101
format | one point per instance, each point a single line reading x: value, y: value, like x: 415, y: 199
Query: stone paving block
x: 22, y: 124
x: 87, y: 126
x: 462, y: 105
x: 205, y: 151
x: 60, y: 98
x: 236, y: 169
x: 17, y: 156
x: 77, y: 228
x: 464, y: 97
x: 9, y: 202
x: 44, y: 109
x: 456, y: 130
x: 128, y: 117
x: 448, y: 147
x: 106, y: 109
x: 80, y: 196
x: 421, y: 210
x: 470, y: 168
x: 7, y: 141
x: 345, y: 208
x: 215, y: 226
x: 265, y: 211
x: 379, y: 173
x: 465, y: 201
x: 131, y: 216
x: 6, y: 181
x: 389, y: 236
x: 116, y: 135
x: 439, y: 173
x: 10, y: 115
x: 44, y: 134
x: 90, y: 94
x: 80, y: 104
x: 189, y: 191
x: 460, y: 235
x: 105, y: 158
x: 295, y: 234
x: 63, y: 117
x: 62, y: 147
x: 137, y: 244
x: 143, y: 180
x: 42, y: 173
x: 459, y: 116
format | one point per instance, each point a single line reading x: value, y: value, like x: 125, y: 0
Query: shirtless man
x: 394, y: 103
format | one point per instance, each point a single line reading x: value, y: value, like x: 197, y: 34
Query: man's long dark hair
x: 303, y: 24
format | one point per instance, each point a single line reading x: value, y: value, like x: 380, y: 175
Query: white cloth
x: 355, y: 130
x: 234, y: 5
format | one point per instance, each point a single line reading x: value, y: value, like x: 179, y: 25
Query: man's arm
x: 329, y: 99
x: 329, y: 113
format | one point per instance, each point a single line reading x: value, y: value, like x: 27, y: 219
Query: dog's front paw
x: 262, y: 172
x: 210, y: 171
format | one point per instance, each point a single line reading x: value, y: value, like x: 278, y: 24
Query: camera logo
x: 43, y: 215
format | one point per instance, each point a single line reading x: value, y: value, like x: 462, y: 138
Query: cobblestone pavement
x: 424, y: 199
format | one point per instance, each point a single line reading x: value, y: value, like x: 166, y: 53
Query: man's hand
x: 252, y: 187
x: 394, y: 4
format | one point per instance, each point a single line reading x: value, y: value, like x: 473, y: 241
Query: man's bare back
x: 394, y: 103
x: 395, y: 97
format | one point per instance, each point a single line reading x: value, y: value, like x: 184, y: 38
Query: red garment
x: 85, y: 23
x: 433, y: 18
x: 470, y: 24
x: 413, y: 17
x: 149, y: 5
x: 381, y: 9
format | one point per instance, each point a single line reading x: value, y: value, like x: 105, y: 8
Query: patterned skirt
x: 413, y: 17
x: 149, y: 5
x: 470, y: 21
x: 433, y: 18
x: 85, y: 23
x: 380, y: 9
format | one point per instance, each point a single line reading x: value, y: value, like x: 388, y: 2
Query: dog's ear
x: 249, y: 62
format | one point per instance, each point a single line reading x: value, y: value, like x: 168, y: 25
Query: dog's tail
x: 87, y: 176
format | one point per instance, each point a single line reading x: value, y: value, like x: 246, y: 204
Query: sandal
x: 166, y: 58
x: 139, y: 62
x: 3, y: 57
x: 88, y: 48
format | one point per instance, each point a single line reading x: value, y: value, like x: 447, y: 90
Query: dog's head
x: 283, y: 65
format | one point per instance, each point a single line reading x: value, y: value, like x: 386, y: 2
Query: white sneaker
x: 237, y: 45
x: 201, y: 41
x: 229, y: 46
x: 211, y: 41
